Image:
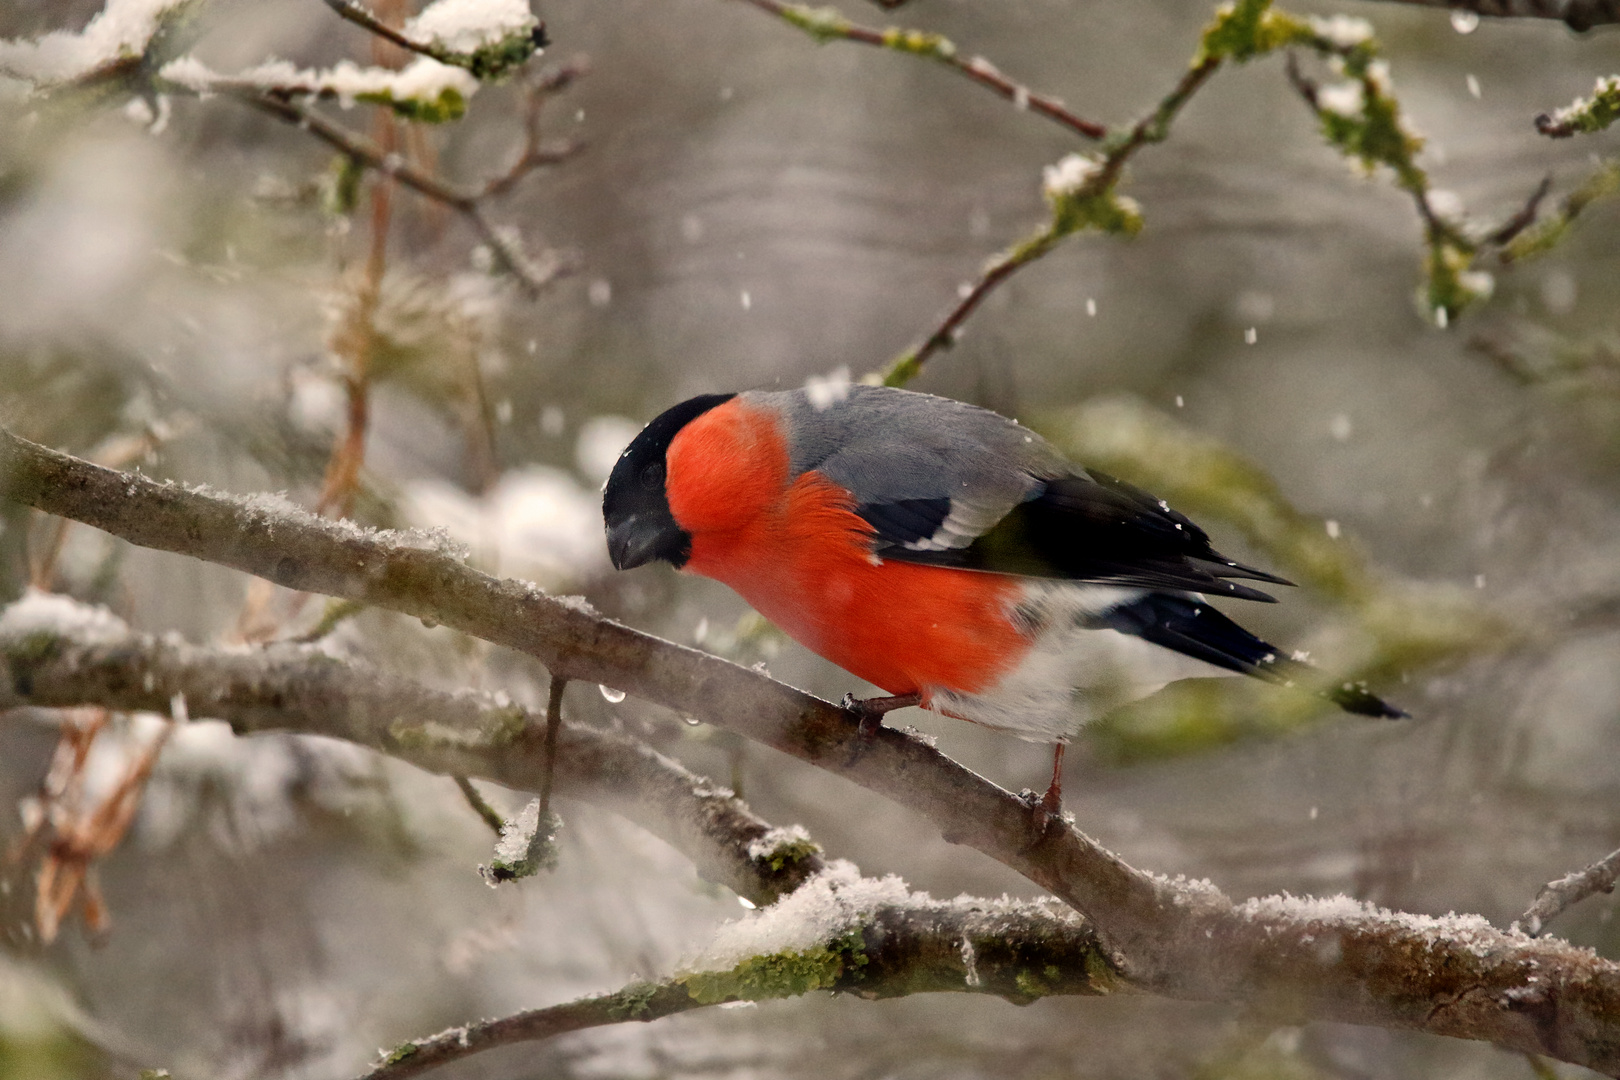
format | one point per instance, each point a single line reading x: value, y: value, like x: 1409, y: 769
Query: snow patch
x: 1472, y: 933
x: 1069, y: 175
x: 776, y: 839
x: 37, y: 612
x: 829, y: 905
x: 119, y: 31
x: 423, y: 79
x: 1343, y: 31
x: 465, y: 26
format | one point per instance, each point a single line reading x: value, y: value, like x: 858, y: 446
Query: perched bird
x: 942, y: 552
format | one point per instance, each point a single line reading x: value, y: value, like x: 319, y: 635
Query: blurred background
x: 750, y: 209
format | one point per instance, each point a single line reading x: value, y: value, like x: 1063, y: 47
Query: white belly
x: 1073, y: 673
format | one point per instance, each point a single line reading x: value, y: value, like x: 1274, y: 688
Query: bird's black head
x: 635, y: 503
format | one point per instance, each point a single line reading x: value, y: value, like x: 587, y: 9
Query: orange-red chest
x: 796, y: 550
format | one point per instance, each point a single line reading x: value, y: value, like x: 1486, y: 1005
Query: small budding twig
x: 497, y: 61
x: 1558, y: 896
x: 536, y: 153
x: 1525, y: 218
x: 480, y: 805
x: 534, y: 277
x: 828, y: 24
x: 1085, y: 200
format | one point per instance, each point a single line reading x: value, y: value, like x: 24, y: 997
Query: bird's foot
x: 869, y: 714
x: 1046, y: 809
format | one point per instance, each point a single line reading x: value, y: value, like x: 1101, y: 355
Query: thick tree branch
x: 300, y: 688
x: 54, y: 651
x: 1295, y: 958
x: 1016, y: 951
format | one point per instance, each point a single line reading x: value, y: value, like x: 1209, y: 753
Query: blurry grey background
x: 751, y: 210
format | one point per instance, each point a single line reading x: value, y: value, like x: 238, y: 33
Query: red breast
x: 795, y: 549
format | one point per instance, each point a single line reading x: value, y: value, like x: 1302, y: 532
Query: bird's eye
x: 652, y: 476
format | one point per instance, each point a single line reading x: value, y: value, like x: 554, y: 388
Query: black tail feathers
x: 1355, y: 698
x: 1190, y: 626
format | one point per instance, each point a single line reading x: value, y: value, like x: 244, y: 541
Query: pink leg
x: 1052, y: 801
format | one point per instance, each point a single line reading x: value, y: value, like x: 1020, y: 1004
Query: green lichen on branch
x: 499, y: 726
x: 1583, y: 116
x: 822, y: 23
x: 447, y: 105
x: 788, y: 973
x: 1039, y: 982
x: 634, y: 1002
x: 496, y: 60
x: 919, y: 43
x: 783, y: 849
x: 400, y: 1053
x: 1080, y: 191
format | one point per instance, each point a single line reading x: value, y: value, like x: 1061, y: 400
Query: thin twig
x: 826, y: 24
x: 1557, y: 896
x: 508, y: 255
x: 1152, y: 127
x: 554, y: 701
x: 1525, y: 218
x: 536, y: 153
x: 371, y: 24
x: 355, y: 338
x: 480, y: 805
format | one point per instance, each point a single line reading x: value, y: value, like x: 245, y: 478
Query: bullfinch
x: 941, y: 552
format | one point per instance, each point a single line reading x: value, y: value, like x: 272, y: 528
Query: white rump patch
x: 1074, y: 672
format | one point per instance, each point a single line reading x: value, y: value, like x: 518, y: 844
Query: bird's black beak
x: 641, y: 538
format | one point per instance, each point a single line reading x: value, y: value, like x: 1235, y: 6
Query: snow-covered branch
x: 57, y: 653
x: 1558, y: 896
x: 1332, y: 959
x: 839, y: 932
x: 828, y: 928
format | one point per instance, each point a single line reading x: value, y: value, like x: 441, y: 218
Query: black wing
x: 1090, y: 528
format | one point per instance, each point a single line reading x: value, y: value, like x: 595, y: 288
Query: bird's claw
x: 868, y: 719
x: 1046, y: 809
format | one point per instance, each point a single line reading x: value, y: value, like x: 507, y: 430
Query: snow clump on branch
x: 465, y: 26
x: 120, y: 31
x: 824, y: 908
x: 1342, y: 31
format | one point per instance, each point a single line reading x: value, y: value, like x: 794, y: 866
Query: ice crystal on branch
x: 528, y: 845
